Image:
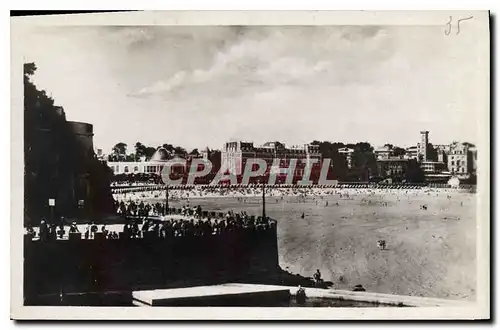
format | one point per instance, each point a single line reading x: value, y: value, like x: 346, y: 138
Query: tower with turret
x: 423, y: 145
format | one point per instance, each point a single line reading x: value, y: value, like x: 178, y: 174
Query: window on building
x: 452, y: 162
x: 125, y: 169
x: 136, y: 169
x: 458, y: 162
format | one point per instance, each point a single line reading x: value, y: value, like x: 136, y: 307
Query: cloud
x: 266, y: 58
x: 340, y: 83
x: 165, y: 86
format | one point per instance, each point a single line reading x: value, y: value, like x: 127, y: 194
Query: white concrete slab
x: 155, y: 297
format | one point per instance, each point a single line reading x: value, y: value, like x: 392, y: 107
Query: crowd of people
x: 52, y: 231
x: 187, y: 221
x: 193, y: 225
x: 137, y: 207
x: 186, y: 193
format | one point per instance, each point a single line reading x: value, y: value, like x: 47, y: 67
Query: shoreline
x: 286, y: 193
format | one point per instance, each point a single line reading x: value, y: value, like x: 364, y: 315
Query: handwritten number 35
x: 449, y: 27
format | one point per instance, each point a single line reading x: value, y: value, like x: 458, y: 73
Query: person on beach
x: 87, y: 231
x: 30, y: 231
x: 73, y: 228
x: 61, y: 231
x: 317, y: 277
x: 300, y: 296
x: 104, y: 230
x: 44, y: 231
x: 93, y: 229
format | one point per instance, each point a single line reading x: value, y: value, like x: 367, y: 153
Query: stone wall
x: 129, y: 264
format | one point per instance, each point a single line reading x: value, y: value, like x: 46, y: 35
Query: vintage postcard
x: 251, y: 165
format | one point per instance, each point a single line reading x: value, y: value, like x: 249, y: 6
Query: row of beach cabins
x: 344, y: 185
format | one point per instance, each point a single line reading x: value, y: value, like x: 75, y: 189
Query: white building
x: 412, y: 152
x: 384, y: 152
x: 154, y: 165
x: 460, y: 159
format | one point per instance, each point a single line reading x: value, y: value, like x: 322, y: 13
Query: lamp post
x: 166, y: 200
x: 81, y: 204
x: 52, y: 204
x: 263, y: 200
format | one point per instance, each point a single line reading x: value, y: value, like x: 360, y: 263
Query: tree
x: 194, y: 152
x: 414, y: 173
x: 180, y: 151
x: 388, y: 145
x: 364, y: 163
x: 337, y: 145
x: 363, y: 159
x: 120, y: 149
x: 29, y: 70
x: 432, y: 153
x: 363, y: 147
x: 215, y: 157
x: 56, y: 164
x: 338, y: 162
x: 397, y: 151
x: 149, y: 152
x: 140, y: 150
x: 170, y: 148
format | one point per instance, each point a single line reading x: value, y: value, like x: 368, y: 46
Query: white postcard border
x: 482, y: 114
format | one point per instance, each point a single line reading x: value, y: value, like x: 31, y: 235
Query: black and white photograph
x: 323, y: 165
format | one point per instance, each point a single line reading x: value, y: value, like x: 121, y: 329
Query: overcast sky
x: 203, y: 86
